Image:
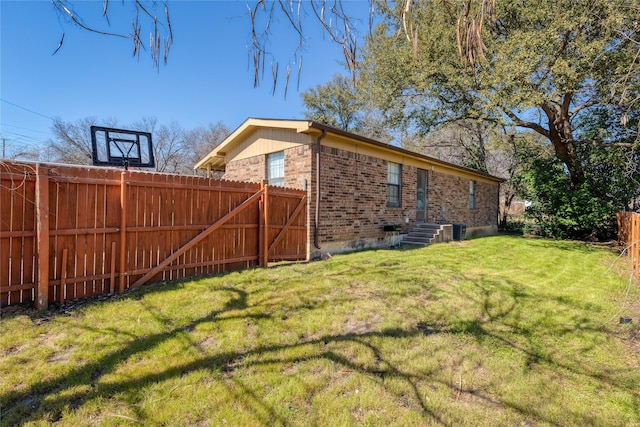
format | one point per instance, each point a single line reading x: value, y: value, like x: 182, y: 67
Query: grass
x: 493, y: 331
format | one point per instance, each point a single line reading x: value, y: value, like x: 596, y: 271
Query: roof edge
x: 383, y: 145
x: 308, y: 126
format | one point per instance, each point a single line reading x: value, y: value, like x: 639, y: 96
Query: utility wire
x: 17, y: 136
x: 23, y: 128
x: 26, y: 109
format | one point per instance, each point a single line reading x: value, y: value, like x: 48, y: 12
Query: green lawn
x: 494, y: 331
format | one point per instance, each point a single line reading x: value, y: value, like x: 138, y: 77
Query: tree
x: 18, y: 150
x: 462, y: 142
x: 168, y: 146
x: 537, y: 65
x: 611, y: 183
x: 71, y: 141
x: 155, y: 15
x: 473, y: 25
x: 334, y: 103
x: 201, y: 141
x: 338, y: 103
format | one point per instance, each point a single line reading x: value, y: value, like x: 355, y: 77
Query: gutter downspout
x: 317, y: 210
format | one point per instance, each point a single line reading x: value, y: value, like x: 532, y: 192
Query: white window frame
x: 275, y: 168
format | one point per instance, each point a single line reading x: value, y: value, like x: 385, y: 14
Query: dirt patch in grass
x: 61, y: 356
x: 208, y: 342
x: 359, y: 326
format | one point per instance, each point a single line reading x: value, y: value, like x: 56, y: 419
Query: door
x: 421, y: 196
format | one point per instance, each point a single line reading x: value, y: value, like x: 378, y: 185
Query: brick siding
x: 253, y: 169
x: 452, y: 193
x: 353, y: 195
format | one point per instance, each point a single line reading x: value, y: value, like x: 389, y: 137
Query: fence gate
x: 70, y: 232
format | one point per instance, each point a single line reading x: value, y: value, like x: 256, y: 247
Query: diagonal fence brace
x: 292, y: 218
x: 157, y: 269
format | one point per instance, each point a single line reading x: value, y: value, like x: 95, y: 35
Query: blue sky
x: 207, y: 78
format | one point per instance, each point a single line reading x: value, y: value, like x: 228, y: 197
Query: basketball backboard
x: 121, y: 147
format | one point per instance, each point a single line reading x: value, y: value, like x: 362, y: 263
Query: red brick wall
x: 452, y: 192
x: 252, y: 169
x: 354, y: 196
x: 297, y: 167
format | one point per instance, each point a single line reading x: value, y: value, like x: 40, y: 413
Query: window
x: 472, y: 194
x: 275, y: 168
x: 393, y: 184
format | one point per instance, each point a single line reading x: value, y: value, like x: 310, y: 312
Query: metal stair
x: 423, y: 234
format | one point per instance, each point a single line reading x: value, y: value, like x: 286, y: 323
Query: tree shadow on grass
x: 48, y: 399
x: 82, y: 384
x: 503, y: 323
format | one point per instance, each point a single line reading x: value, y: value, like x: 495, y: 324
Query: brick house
x: 364, y: 184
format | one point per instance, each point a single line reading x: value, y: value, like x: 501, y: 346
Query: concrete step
x: 423, y: 234
x: 424, y: 226
x: 412, y: 242
x: 427, y: 234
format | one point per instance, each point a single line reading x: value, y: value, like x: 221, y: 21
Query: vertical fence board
x: 28, y: 243
x: 123, y: 233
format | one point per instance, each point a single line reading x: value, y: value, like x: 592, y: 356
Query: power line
x: 23, y: 128
x: 17, y: 136
x: 26, y: 109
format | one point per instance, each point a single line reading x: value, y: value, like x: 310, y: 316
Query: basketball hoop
x: 121, y: 147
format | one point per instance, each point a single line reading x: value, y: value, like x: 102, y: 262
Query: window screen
x: 275, y: 168
x: 472, y: 194
x: 394, y: 183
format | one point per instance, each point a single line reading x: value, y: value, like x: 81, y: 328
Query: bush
x: 577, y: 212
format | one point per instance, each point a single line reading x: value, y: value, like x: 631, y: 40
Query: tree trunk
x: 561, y: 136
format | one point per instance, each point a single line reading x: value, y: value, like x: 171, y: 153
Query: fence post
x: 635, y: 245
x: 260, y: 225
x: 123, y: 232
x: 265, y: 229
x: 42, y: 221
x: 262, y: 220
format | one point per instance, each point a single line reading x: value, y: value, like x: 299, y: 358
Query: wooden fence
x: 629, y: 234
x: 68, y: 232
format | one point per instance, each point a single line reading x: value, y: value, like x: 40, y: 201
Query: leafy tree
x: 611, y: 182
x: 338, y: 104
x: 565, y: 211
x: 538, y: 65
x: 334, y: 103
